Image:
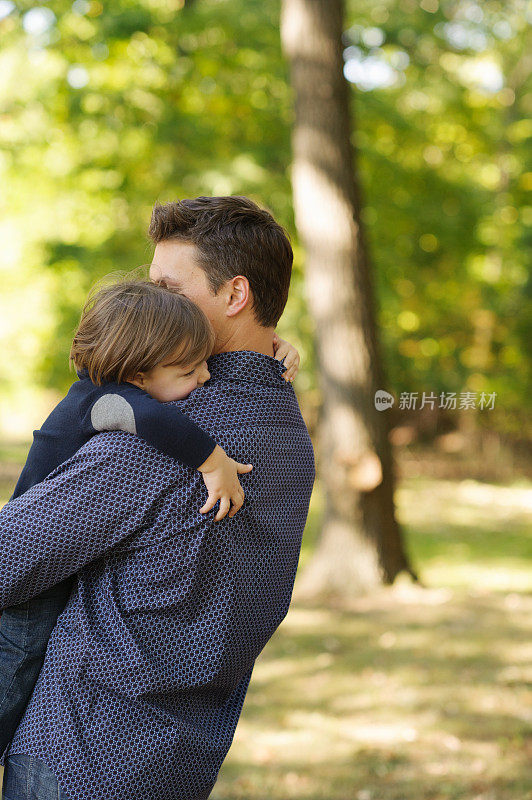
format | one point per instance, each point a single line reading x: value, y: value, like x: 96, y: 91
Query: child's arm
x: 284, y: 349
x: 122, y: 406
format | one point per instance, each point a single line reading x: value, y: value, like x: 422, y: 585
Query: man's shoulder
x: 224, y: 404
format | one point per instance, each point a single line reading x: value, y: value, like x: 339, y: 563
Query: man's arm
x: 94, y: 500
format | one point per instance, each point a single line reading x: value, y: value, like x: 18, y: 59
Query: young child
x: 138, y: 346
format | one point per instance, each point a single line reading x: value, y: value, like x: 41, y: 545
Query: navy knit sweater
x: 88, y: 409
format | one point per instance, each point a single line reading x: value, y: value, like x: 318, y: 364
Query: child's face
x: 170, y: 382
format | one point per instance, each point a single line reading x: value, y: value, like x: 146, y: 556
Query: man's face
x: 174, y: 264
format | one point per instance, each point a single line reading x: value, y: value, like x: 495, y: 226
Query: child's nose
x: 205, y: 374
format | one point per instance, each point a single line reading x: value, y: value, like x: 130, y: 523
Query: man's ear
x: 238, y: 295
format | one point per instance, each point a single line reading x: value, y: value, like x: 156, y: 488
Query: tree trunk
x: 360, y: 545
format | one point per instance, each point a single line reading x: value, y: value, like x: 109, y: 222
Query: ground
x: 409, y: 694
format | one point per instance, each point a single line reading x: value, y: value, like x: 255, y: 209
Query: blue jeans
x: 28, y: 778
x: 24, y: 633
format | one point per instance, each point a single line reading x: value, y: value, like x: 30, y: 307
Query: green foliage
x: 109, y: 107
x: 445, y: 164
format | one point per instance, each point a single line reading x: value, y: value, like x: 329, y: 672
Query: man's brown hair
x: 131, y: 326
x: 233, y: 236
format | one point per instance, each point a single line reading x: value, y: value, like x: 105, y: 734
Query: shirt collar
x: 248, y: 366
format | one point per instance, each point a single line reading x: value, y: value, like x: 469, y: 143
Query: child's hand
x: 281, y: 348
x: 220, y: 475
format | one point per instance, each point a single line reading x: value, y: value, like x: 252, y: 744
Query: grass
x: 12, y: 457
x: 413, y: 693
x: 409, y: 694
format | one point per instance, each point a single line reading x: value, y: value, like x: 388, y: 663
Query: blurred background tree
x: 108, y: 107
x: 360, y: 544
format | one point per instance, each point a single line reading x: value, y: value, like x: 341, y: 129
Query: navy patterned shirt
x: 148, y: 666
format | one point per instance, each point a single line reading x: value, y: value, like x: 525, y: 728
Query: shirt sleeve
x: 99, y: 497
x: 125, y: 407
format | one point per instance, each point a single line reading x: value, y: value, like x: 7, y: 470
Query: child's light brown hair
x: 131, y: 326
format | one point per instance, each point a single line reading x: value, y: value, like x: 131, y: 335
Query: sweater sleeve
x: 125, y: 407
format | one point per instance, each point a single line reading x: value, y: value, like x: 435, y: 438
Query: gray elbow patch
x: 112, y: 412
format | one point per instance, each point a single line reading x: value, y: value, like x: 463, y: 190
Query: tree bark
x: 360, y: 546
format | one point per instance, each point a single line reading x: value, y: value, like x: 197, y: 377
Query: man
x: 148, y: 666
